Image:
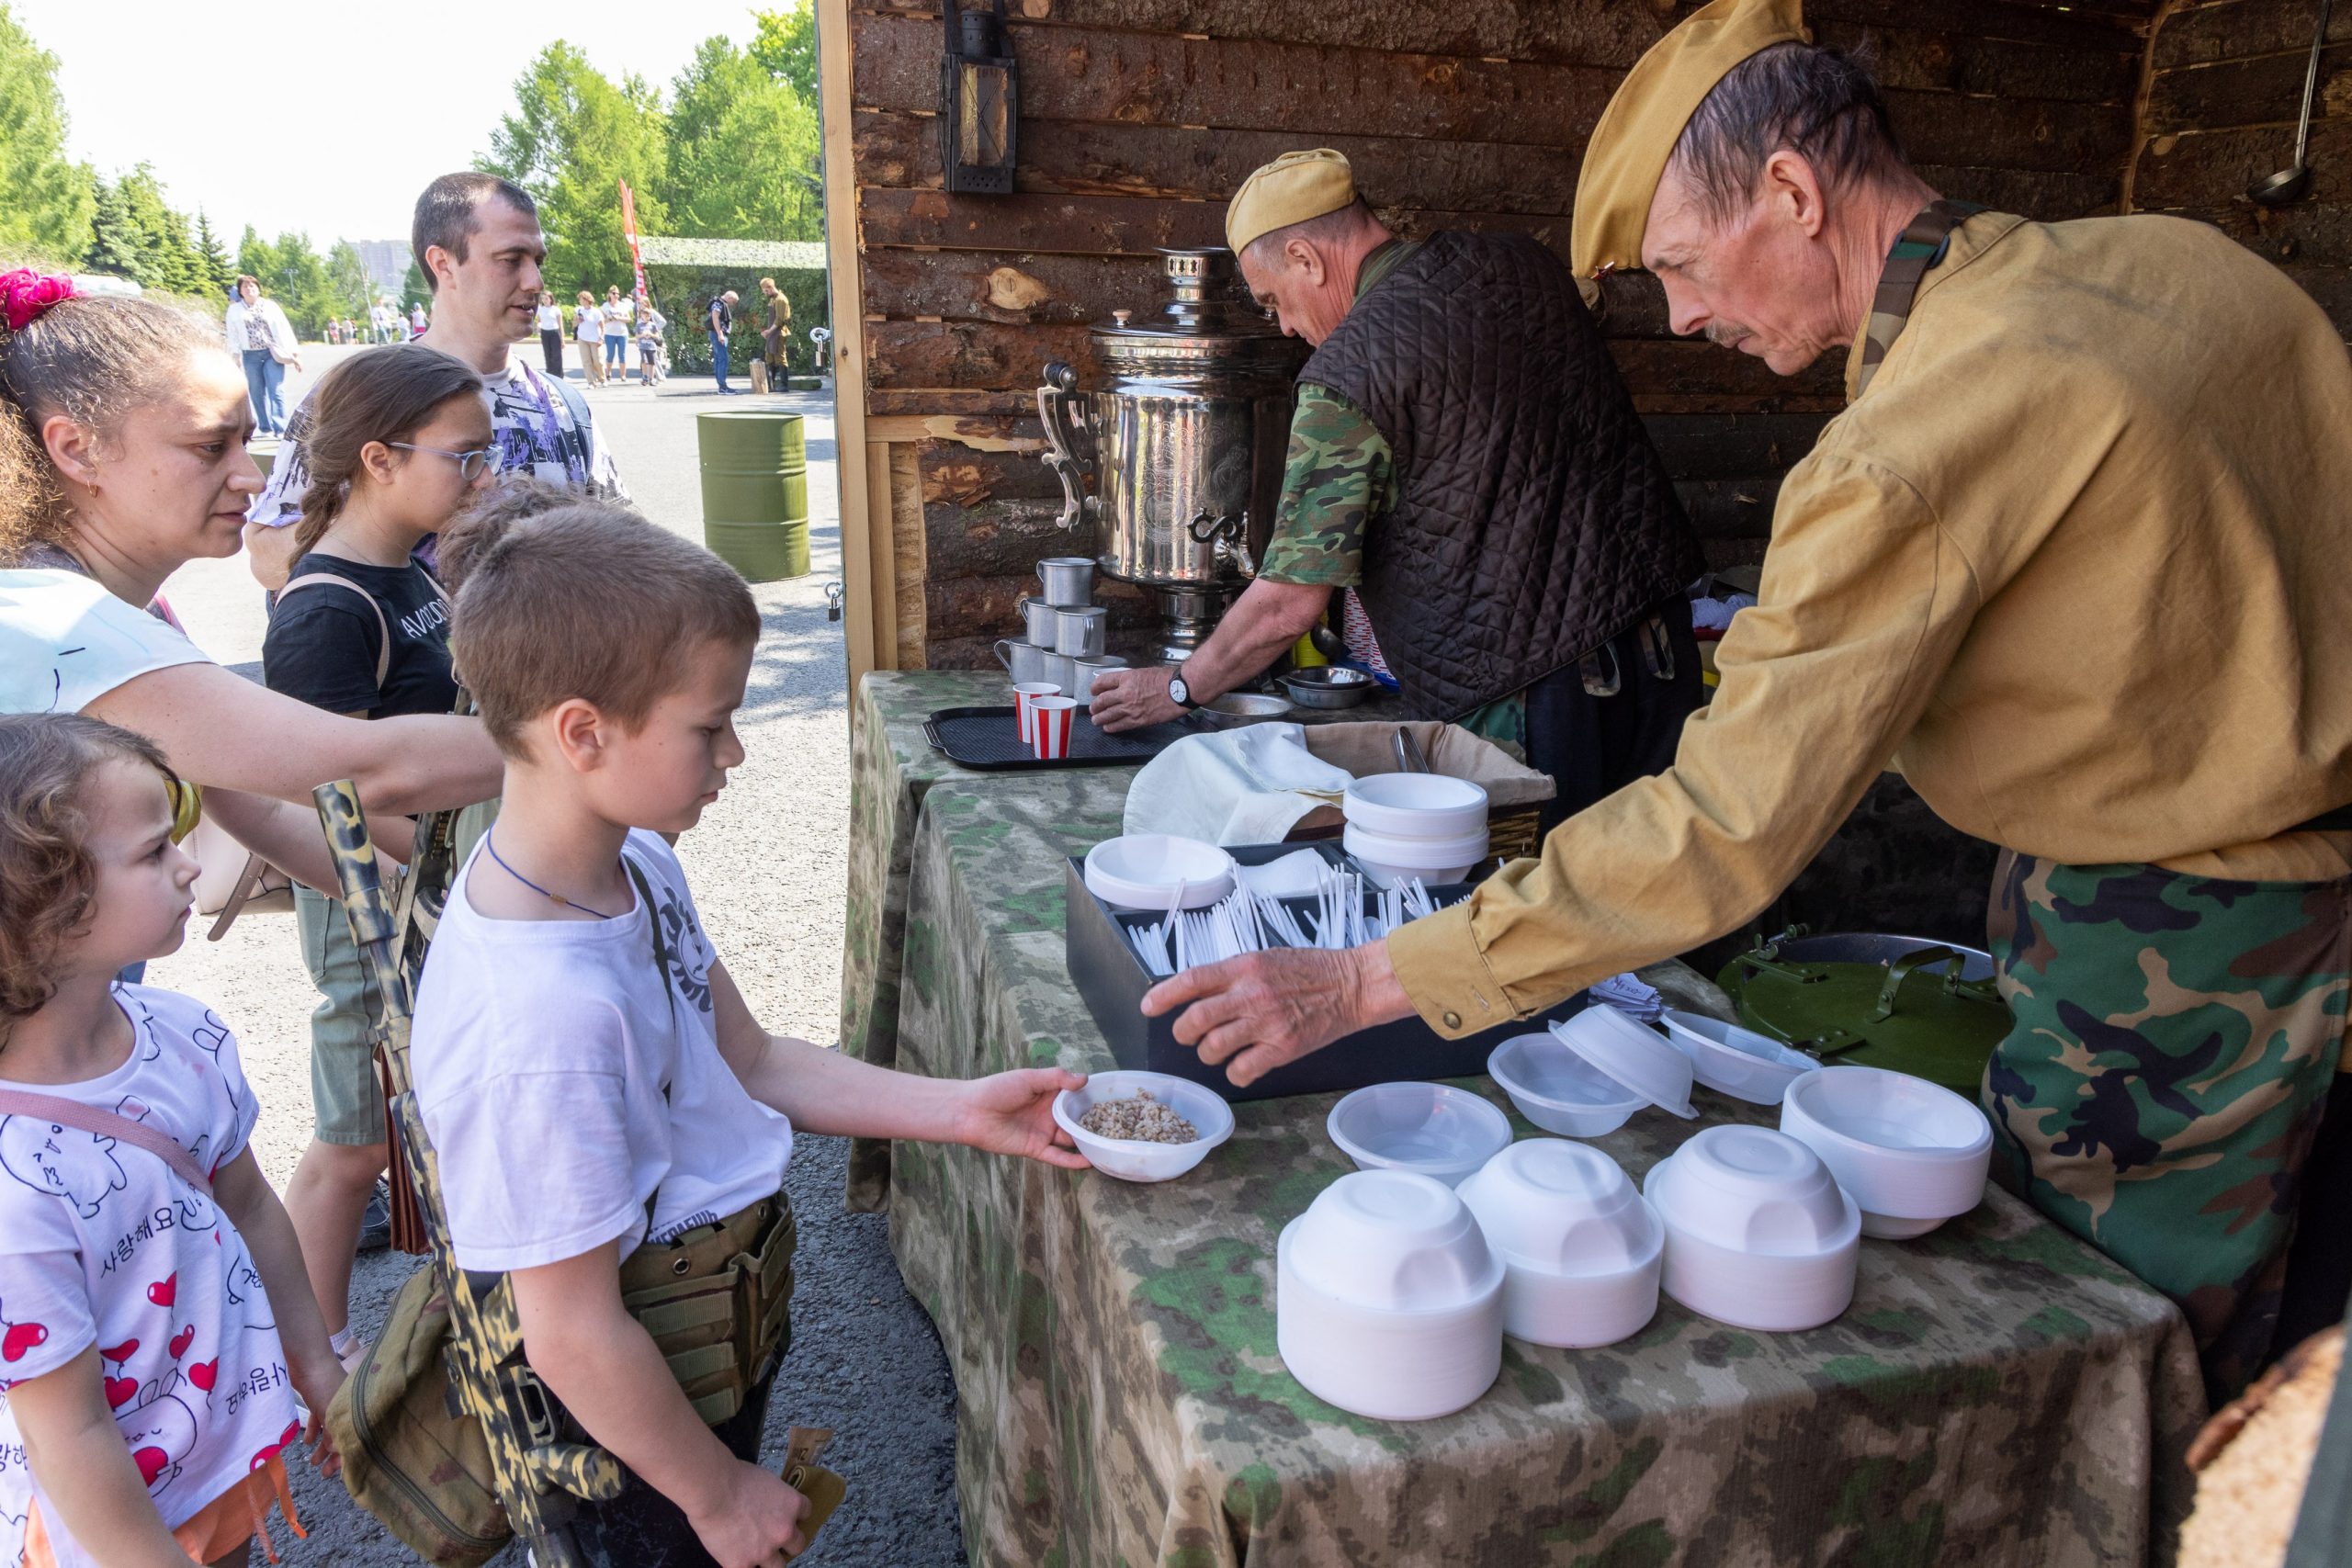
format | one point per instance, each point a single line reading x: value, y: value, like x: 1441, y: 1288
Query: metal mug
x: 1037, y: 617
x: 1026, y: 661
x: 1079, y: 630
x: 1068, y: 580
x: 1084, y: 671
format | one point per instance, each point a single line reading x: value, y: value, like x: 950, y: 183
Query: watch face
x: 1177, y: 693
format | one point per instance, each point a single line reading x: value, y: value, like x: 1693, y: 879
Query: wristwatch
x: 1179, y: 693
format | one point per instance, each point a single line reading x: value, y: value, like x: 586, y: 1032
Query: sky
x: 324, y: 116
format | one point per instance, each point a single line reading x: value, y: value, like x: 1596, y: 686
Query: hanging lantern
x: 980, y: 85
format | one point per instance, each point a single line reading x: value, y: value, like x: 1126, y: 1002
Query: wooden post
x: 869, y: 566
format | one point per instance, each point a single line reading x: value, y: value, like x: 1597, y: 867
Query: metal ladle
x: 2287, y: 184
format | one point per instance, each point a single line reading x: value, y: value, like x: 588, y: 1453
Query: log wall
x: 1139, y: 117
x: 2224, y: 82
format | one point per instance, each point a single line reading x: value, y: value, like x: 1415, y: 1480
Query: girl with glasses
x: 399, y: 441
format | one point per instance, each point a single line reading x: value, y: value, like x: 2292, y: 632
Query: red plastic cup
x: 1025, y: 692
x: 1050, y: 719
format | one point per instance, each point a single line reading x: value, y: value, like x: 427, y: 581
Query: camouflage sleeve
x: 1335, y: 480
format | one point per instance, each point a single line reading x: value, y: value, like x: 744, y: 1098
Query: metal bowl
x: 1238, y: 708
x: 1327, y: 686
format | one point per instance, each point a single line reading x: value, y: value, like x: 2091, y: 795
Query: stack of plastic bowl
x: 1430, y: 1129
x: 1735, y: 1061
x: 1147, y: 871
x: 1559, y: 1090
x: 1132, y: 1159
x: 1633, y: 1055
x: 1758, y: 1234
x: 1388, y: 1302
x: 1910, y: 1153
x: 1407, y: 825
x: 1580, y: 1248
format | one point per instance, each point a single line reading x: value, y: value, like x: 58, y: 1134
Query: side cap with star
x: 1628, y: 152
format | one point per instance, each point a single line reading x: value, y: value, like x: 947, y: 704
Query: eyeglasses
x: 470, y: 464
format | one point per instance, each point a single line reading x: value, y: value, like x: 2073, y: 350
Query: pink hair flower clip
x: 25, y: 294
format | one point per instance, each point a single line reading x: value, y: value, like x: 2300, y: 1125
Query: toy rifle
x: 535, y: 1474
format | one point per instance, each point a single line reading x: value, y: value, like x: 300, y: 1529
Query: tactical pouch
x: 718, y: 1303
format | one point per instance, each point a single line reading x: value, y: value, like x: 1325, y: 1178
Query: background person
x: 551, y: 323
x: 417, y: 321
x: 651, y: 324
x: 478, y: 241
x: 398, y: 440
x: 588, y: 331
x: 776, y: 338
x: 719, y: 322
x: 122, y: 458
x: 618, y: 312
x: 262, y: 340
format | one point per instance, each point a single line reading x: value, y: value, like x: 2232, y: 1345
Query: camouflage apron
x: 2174, y: 1043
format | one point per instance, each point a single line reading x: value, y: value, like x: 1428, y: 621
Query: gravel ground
x: 767, y: 864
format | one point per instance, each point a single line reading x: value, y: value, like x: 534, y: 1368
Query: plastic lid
x: 1633, y: 1055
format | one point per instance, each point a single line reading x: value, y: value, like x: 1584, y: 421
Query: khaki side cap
x: 1292, y: 190
x: 1627, y: 154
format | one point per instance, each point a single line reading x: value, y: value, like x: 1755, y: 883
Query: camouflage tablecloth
x: 1998, y: 1393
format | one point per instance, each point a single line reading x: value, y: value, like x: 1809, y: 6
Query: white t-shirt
x: 589, y: 324
x: 550, y: 317
x: 533, y: 426
x: 101, y: 1244
x: 618, y: 313
x: 65, y: 642
x: 563, y: 1081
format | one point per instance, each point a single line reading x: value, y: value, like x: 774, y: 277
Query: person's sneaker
x: 376, y: 1225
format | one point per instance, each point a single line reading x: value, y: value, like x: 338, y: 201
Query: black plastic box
x: 1113, y: 980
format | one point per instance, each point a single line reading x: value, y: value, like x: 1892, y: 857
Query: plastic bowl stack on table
x: 1389, y: 1303
x: 1580, y: 1247
x: 1406, y: 825
x: 1130, y: 1159
x: 1559, y: 1090
x: 1144, y: 871
x: 1912, y: 1153
x: 1630, y: 1054
x: 1427, y: 1128
x: 1735, y: 1061
x: 1757, y: 1233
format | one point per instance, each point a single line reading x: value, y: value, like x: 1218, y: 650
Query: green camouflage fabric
x: 1999, y: 1392
x: 1917, y: 248
x: 2175, y: 1042
x: 1337, y: 477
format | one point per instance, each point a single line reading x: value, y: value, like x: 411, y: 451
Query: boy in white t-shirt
x: 600, y: 1097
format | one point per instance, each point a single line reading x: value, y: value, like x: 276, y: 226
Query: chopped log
x: 2212, y: 167
x: 2240, y: 29
x: 2264, y: 91
x: 2317, y: 234
x: 995, y: 538
x: 1015, y: 287
x: 962, y: 476
x: 985, y: 434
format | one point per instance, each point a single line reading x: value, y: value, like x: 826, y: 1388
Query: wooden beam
x: 869, y: 573
x: 2214, y: 167
x: 2239, y: 30
x: 981, y: 434
x: 2266, y: 90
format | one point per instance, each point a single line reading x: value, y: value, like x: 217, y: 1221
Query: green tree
x: 742, y: 151
x: 290, y: 271
x: 49, y: 200
x: 136, y: 232
x: 572, y: 136
x: 346, y: 281
x: 415, y: 288
x: 786, y: 48
x: 220, y: 275
x: 113, y: 235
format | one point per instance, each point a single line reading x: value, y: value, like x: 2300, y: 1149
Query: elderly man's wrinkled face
x: 1299, y: 285
x: 1762, y: 281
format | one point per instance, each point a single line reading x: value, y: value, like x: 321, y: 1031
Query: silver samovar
x: 1179, y: 456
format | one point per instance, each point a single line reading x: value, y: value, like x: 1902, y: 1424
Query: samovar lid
x: 1204, y: 301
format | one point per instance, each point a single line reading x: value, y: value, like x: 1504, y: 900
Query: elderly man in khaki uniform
x: 2072, y: 561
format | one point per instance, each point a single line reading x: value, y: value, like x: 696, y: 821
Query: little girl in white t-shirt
x: 155, y: 1323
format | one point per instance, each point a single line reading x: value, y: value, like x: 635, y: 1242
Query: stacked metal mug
x: 1063, y: 631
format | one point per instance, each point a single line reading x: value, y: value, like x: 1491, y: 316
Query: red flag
x: 636, y: 254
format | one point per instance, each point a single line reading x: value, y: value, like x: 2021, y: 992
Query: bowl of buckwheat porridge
x: 1143, y: 1126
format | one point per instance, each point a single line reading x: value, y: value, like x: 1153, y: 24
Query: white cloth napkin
x: 1235, y: 786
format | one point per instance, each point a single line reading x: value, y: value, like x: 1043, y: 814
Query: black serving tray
x: 1113, y: 980
x: 988, y: 740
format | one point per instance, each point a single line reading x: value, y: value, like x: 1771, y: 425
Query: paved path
x: 768, y: 865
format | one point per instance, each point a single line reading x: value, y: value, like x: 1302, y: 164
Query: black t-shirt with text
x: 323, y: 641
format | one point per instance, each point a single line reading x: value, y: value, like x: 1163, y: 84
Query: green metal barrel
x: 755, y: 491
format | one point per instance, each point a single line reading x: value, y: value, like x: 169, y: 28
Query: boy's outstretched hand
x: 1012, y: 1113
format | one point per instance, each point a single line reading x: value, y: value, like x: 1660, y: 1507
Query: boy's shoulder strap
x: 578, y: 406
x: 383, y: 627
x: 106, y: 1124
x: 653, y: 924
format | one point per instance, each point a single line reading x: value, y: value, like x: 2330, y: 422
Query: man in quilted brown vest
x: 1467, y: 478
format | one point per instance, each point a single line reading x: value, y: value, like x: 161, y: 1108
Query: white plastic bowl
x: 1385, y: 875
x: 1387, y: 1301
x: 1127, y: 1158
x: 1559, y: 1090
x: 1580, y: 1247
x: 1630, y: 1054
x: 1912, y: 1153
x: 1756, y: 1233
x: 1467, y: 849
x: 1416, y: 805
x: 1736, y: 1061
x: 1429, y: 1128
x: 1141, y: 871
